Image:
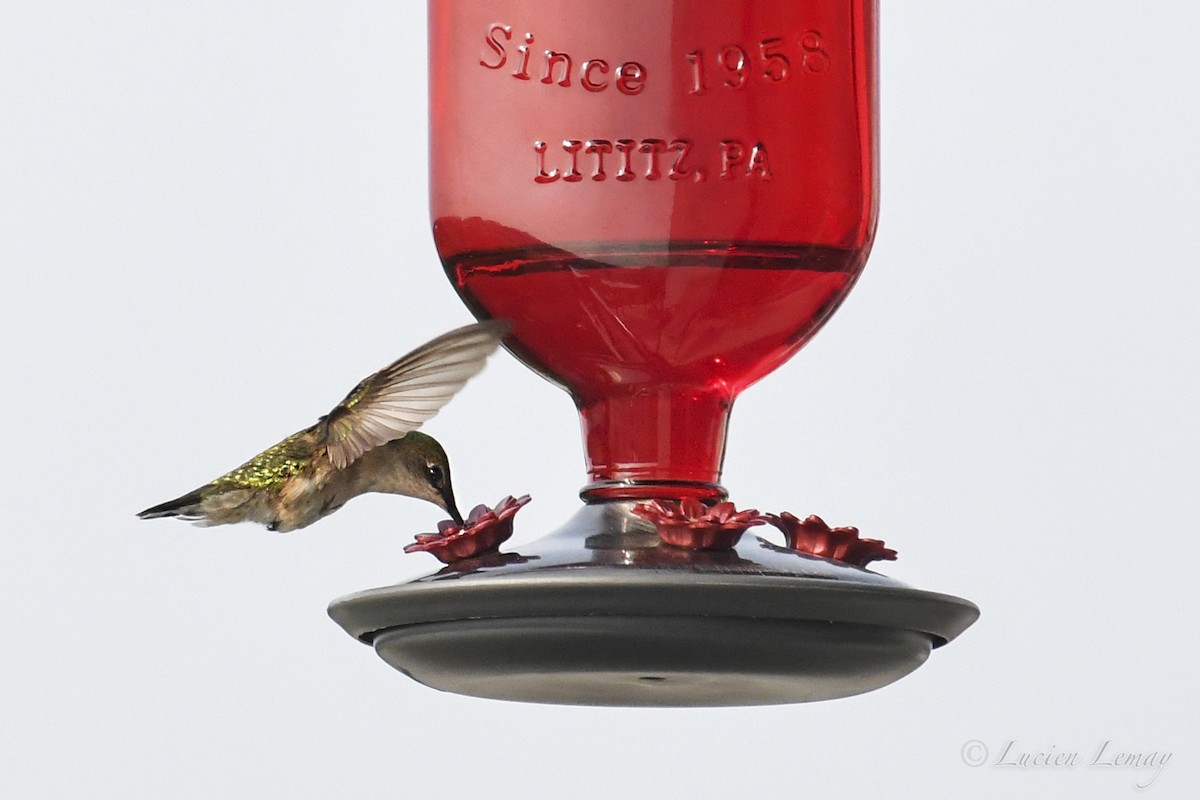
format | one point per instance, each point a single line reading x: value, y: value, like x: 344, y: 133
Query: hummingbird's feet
x: 484, y: 530
x: 814, y: 537
x: 696, y: 526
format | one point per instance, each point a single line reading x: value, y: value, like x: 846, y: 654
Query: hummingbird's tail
x: 185, y: 507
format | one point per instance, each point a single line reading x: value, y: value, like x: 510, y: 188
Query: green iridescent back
x: 272, y: 467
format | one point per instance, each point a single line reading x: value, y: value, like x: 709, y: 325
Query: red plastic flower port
x: 814, y: 537
x: 484, y: 530
x: 692, y: 524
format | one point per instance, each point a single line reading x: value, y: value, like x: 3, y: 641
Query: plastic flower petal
x: 816, y: 538
x: 694, y: 525
x: 484, y: 530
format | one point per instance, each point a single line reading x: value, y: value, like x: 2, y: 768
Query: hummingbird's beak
x: 451, y: 506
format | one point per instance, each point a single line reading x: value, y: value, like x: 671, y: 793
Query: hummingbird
x: 369, y: 442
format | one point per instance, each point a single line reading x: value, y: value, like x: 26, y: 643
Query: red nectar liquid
x: 666, y: 198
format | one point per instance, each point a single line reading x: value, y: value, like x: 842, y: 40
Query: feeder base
x: 602, y: 613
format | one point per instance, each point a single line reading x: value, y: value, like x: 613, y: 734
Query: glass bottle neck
x: 646, y: 442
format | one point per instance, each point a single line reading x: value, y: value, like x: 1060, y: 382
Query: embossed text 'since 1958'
x: 666, y: 197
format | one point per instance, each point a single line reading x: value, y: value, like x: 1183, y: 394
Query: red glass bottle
x: 667, y: 198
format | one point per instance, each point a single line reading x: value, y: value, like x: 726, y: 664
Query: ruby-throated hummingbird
x: 368, y: 443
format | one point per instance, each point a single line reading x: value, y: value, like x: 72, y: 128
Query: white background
x: 213, y: 222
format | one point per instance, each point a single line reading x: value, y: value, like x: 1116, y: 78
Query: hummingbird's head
x: 423, y: 472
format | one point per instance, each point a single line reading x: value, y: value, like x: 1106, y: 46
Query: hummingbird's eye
x: 435, y: 474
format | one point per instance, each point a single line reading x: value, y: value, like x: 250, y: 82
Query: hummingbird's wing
x: 402, y: 395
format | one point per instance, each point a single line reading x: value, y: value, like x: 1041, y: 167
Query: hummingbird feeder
x: 665, y: 199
